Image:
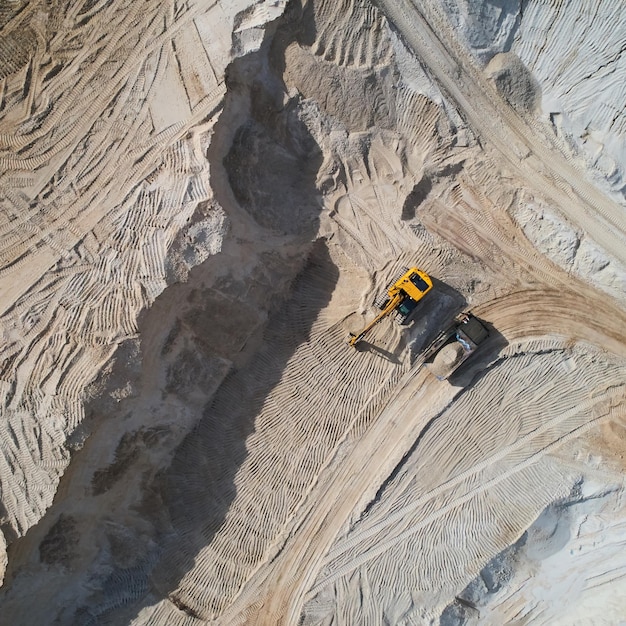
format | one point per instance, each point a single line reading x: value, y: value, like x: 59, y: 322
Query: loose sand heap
x: 200, y: 200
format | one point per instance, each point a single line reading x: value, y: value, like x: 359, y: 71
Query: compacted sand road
x: 542, y: 167
x: 278, y: 590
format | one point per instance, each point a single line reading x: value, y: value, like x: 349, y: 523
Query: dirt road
x: 285, y: 582
x: 527, y: 152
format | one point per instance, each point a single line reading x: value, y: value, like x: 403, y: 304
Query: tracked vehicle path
x: 526, y: 151
x: 284, y: 583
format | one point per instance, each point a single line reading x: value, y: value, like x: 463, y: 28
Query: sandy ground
x: 200, y: 201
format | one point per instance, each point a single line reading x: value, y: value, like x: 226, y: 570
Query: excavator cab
x: 421, y: 281
x: 405, y: 308
x: 402, y: 297
x: 415, y: 284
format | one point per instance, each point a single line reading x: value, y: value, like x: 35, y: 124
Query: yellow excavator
x: 401, y: 297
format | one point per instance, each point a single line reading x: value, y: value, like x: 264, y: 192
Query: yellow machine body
x: 403, y: 295
x: 408, y: 285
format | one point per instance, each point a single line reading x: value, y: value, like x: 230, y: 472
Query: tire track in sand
x: 428, y: 33
x: 342, y: 560
x: 277, y: 592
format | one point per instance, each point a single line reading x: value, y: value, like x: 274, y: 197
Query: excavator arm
x: 391, y: 306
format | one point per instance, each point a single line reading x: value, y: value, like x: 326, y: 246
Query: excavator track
x: 381, y: 301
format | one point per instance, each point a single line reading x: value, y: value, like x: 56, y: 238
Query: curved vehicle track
x: 428, y: 33
x: 284, y: 581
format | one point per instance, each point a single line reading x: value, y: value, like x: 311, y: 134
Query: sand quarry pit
x: 199, y: 201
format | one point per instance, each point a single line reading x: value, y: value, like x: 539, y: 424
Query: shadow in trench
x: 199, y: 486
x: 271, y: 170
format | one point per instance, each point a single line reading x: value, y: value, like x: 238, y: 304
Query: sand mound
x: 514, y: 82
